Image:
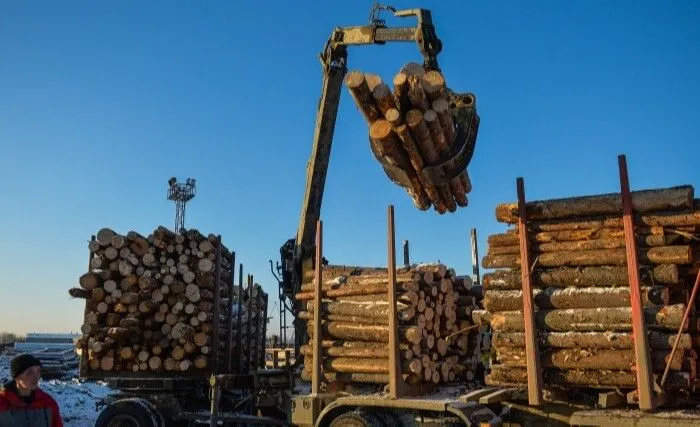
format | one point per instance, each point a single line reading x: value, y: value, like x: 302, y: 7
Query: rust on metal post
x: 684, y: 324
x: 395, y: 391
x: 316, y: 368
x: 534, y: 371
x: 645, y: 384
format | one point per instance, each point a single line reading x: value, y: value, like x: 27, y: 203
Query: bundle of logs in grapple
x: 581, y: 290
x: 150, y: 302
x: 438, y: 342
x: 412, y: 127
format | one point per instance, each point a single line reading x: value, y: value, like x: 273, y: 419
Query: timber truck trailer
x: 401, y: 404
x: 226, y: 391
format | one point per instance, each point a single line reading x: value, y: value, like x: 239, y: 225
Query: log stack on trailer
x: 581, y: 290
x: 166, y: 303
x: 438, y: 342
x: 413, y: 128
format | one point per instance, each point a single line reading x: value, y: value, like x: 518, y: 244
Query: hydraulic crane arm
x: 334, y: 63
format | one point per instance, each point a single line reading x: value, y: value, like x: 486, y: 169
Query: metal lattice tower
x: 181, y: 193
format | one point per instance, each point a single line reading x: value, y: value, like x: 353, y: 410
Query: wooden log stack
x: 413, y: 127
x: 581, y: 289
x: 438, y: 342
x: 150, y: 302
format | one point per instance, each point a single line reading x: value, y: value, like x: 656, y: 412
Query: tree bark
x: 604, y: 276
x: 654, y: 236
x: 674, y: 198
x: 374, y: 333
x: 584, y: 319
x: 655, y: 219
x: 572, y: 297
x: 362, y: 95
x: 611, y: 340
x: 680, y: 254
x: 596, y: 359
x: 509, y: 376
x: 586, y: 245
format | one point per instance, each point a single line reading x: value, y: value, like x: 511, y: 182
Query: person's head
x: 26, y: 371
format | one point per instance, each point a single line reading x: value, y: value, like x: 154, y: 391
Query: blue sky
x: 102, y: 102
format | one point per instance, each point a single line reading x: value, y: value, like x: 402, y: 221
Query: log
x: 678, y: 254
x: 656, y: 219
x: 401, y: 93
x: 595, y: 359
x: 421, y: 135
x: 362, y: 95
x: 79, y: 293
x: 584, y: 319
x: 586, y: 245
x: 573, y: 297
x: 673, y: 198
x: 605, y: 276
x: 509, y: 376
x: 442, y: 108
x: 416, y: 93
x: 612, y: 340
x: 438, y: 136
x: 348, y: 377
x: 356, y: 352
x: 374, y: 333
x: 387, y: 143
x: 374, y: 310
x: 433, y: 84
x: 384, y: 98
x: 649, y: 236
x: 365, y: 366
x: 104, y: 236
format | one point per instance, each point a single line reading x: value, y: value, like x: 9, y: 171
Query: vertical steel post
x: 475, y: 257
x: 406, y: 258
x: 229, y: 321
x: 394, y: 368
x: 217, y: 309
x: 645, y: 382
x: 318, y: 282
x: 239, y: 315
x: 534, y: 370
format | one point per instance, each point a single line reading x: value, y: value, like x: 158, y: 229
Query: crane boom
x: 297, y: 253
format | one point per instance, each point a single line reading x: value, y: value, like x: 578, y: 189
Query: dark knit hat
x: 21, y: 363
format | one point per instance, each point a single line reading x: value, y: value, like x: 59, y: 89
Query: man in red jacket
x: 22, y: 402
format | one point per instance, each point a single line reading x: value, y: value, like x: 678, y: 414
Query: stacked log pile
x: 413, y: 127
x: 581, y: 288
x: 150, y: 301
x: 438, y: 342
x: 251, y: 325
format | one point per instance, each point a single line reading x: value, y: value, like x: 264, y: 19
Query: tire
x: 357, y: 419
x: 132, y: 412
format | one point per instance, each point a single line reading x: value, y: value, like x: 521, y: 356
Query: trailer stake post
x: 534, y: 370
x: 645, y: 385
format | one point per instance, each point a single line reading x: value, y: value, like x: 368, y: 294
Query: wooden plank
x: 611, y: 399
x: 317, y: 362
x: 534, y: 371
x: 641, y: 344
x: 394, y: 368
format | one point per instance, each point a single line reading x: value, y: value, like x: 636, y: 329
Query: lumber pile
x: 413, y: 132
x: 150, y: 302
x: 581, y: 288
x: 438, y: 342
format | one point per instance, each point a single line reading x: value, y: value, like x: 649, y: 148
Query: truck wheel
x: 357, y: 419
x: 132, y: 412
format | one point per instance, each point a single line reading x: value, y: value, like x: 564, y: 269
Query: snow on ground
x: 76, y: 399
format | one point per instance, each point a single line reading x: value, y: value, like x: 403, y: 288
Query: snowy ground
x: 76, y: 399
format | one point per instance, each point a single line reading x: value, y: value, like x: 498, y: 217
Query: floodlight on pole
x: 181, y: 193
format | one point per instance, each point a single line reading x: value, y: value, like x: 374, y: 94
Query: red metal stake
x: 534, y: 370
x: 645, y: 384
x: 316, y: 367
